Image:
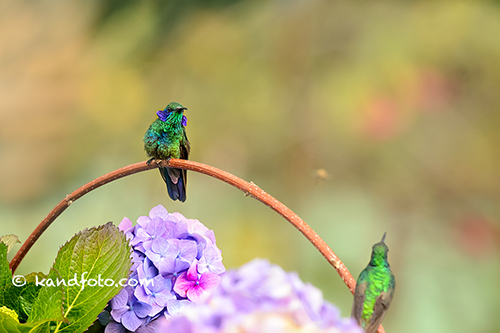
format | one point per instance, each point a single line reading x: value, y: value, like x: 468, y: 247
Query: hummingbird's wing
x: 379, y: 310
x: 185, y: 149
x: 359, y: 299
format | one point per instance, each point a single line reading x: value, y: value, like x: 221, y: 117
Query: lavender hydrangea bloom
x: 156, y: 294
x: 173, y: 255
x: 128, y: 310
x: 165, y: 247
x: 260, y: 297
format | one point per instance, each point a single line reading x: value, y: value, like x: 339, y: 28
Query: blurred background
x: 361, y: 116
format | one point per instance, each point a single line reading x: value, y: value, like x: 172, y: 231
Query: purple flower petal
x: 164, y: 296
x: 130, y: 321
x: 145, y: 236
x: 137, y: 260
x: 158, y: 284
x: 155, y: 293
x: 211, y: 261
x: 160, y: 246
x: 146, y: 271
x: 154, y: 326
x: 156, y: 227
x: 175, y: 306
x: 159, y: 211
x: 177, y: 217
x: 119, y: 305
x: 196, y: 227
x: 141, y: 309
x: 186, y: 249
x: 167, y: 267
x: 210, y: 235
x: 114, y: 328
x: 176, y: 230
x: 127, y: 228
x: 141, y: 235
x: 117, y: 314
x: 120, y: 300
x: 143, y: 221
x: 143, y: 296
x: 176, y: 255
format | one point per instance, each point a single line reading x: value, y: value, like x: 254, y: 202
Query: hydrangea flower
x: 175, y: 262
x: 128, y: 310
x: 195, y: 286
x: 260, y: 297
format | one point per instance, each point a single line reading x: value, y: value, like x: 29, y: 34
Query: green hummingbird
x: 374, y: 290
x: 165, y: 139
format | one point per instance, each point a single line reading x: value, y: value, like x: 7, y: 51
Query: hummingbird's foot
x: 150, y: 160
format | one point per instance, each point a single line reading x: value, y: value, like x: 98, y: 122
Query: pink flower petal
x: 209, y: 281
x: 182, y: 285
x: 192, y: 273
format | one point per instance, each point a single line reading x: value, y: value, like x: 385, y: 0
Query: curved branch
x: 248, y: 188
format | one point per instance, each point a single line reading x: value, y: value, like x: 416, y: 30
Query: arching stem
x: 249, y: 188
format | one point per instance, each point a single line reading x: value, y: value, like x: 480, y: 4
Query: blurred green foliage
x: 362, y: 117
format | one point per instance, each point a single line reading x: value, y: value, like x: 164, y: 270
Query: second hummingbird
x: 374, y: 290
x: 165, y: 139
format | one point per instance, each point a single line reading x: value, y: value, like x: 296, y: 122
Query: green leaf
x: 9, y: 240
x: 28, y: 295
x: 48, y: 304
x: 5, y: 274
x: 16, y: 297
x: 10, y: 325
x: 101, y: 256
x: 20, y: 297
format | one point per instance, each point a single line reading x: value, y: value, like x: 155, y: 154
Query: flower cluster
x: 260, y: 297
x: 176, y: 263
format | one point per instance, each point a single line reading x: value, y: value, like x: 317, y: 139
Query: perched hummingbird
x: 374, y: 290
x: 165, y: 139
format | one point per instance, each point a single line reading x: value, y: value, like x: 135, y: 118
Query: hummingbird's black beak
x: 180, y: 109
x: 383, y: 237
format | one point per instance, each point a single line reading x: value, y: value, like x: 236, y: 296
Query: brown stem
x: 248, y: 188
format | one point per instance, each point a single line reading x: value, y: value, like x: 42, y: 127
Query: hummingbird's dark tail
x: 176, y: 180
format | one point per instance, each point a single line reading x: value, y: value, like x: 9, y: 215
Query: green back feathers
x: 374, y: 290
